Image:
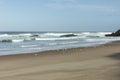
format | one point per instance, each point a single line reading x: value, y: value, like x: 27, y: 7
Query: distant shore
x: 84, y: 63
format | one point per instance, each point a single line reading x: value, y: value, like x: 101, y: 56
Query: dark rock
x: 6, y: 40
x: 68, y: 35
x: 35, y: 35
x: 114, y: 34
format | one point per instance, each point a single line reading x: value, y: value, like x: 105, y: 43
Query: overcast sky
x: 59, y: 15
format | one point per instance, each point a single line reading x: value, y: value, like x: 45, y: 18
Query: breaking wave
x: 49, y: 36
x: 10, y: 40
x: 34, y: 42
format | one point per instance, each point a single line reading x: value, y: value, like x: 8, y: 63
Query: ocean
x: 29, y: 42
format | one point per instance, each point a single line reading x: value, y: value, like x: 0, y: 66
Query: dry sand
x: 91, y: 63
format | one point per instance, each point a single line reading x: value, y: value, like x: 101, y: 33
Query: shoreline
x: 59, y: 50
x: 86, y: 63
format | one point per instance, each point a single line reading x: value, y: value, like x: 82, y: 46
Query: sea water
x: 28, y: 42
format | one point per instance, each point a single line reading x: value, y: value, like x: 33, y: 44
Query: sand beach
x: 86, y: 63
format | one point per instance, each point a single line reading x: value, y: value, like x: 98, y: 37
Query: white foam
x: 72, y: 42
x: 25, y: 46
x: 100, y: 34
x: 56, y: 38
x: 11, y: 40
x: 18, y: 40
x: 4, y: 35
x: 27, y: 34
x: 54, y: 34
x: 34, y: 48
x: 52, y: 44
x: 103, y: 39
x: 86, y: 33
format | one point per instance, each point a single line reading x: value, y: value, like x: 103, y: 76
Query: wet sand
x: 88, y: 63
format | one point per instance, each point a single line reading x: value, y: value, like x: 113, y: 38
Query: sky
x: 59, y: 15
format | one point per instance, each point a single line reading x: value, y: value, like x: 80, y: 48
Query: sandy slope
x: 92, y: 63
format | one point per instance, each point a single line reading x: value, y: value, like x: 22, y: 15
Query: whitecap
x: 12, y: 40
x: 53, y: 34
x: 56, y: 38
x: 18, y: 40
x: 27, y: 34
x: 4, y: 35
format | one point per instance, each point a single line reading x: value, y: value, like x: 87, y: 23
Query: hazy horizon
x: 62, y: 31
